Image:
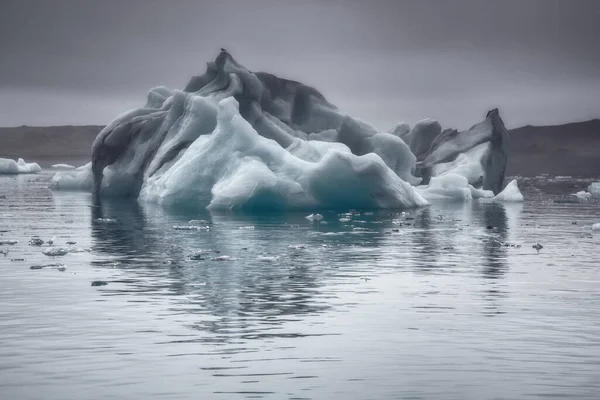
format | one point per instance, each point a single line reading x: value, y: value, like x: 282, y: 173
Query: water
x: 427, y: 305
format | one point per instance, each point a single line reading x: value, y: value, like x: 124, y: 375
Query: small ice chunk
x: 248, y: 227
x: 55, y: 251
x: 223, y: 258
x: 191, y: 228
x: 271, y: 259
x: 75, y: 179
x: 344, y: 219
x: 596, y: 227
x: 10, y: 167
x: 79, y: 250
x: 106, y: 220
x: 314, y: 217
x: 582, y: 195
x: 8, y: 242
x: 63, y: 166
x: 198, y: 222
x: 510, y: 193
x: 35, y: 241
x: 297, y: 246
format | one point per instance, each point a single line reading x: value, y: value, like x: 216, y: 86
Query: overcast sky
x: 84, y: 62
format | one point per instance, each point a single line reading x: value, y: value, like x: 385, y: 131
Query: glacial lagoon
x: 449, y: 301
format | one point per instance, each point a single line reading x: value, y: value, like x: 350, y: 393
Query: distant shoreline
x: 570, y: 149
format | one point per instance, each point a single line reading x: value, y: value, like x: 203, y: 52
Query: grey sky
x: 84, y: 62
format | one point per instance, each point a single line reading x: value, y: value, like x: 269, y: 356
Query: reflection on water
x: 386, y: 305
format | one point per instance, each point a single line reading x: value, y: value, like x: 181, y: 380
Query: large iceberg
x: 237, y: 139
x: 8, y: 166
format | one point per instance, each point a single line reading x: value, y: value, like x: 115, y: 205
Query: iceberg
x: 236, y: 139
x: 9, y: 167
x: 594, y: 189
x: 511, y: 193
x: 76, y: 179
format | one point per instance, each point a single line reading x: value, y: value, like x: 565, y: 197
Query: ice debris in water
x: 191, y: 228
x: 510, y: 193
x: 201, y: 254
x: 596, y: 227
x: 106, y: 220
x: 223, y: 258
x: 344, y: 219
x: 35, y: 241
x: 55, y: 251
x: 198, y: 222
x: 8, y: 242
x: 271, y: 259
x: 60, y: 267
x: 297, y: 246
x: 247, y: 227
x: 8, y: 166
x: 99, y: 283
x: 314, y: 217
x: 61, y: 251
x: 582, y: 195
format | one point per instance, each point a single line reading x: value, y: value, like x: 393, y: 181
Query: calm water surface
x: 427, y: 305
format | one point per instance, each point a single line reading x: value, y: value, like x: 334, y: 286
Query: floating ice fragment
x: 55, y: 251
x: 36, y: 242
x: 582, y: 195
x: 596, y: 227
x: 191, y: 228
x: 297, y: 246
x: 344, y: 219
x: 8, y: 242
x: 314, y: 217
x: 248, y: 227
x: 510, y: 193
x: 106, y: 220
x: 8, y: 166
x: 198, y: 222
x: 270, y: 259
x: 63, y: 166
x: 223, y: 258
x: 76, y: 179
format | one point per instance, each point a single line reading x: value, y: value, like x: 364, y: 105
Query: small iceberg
x: 314, y: 217
x: 11, y: 167
x: 511, y: 193
x: 76, y: 179
x: 63, y: 166
x: 55, y: 251
x: 582, y: 195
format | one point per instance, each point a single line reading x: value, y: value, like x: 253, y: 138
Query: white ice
x: 594, y: 189
x: 511, y: 193
x: 235, y: 167
x: 452, y: 186
x: 77, y: 179
x: 582, y: 195
x: 9, y: 167
x: 63, y: 166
